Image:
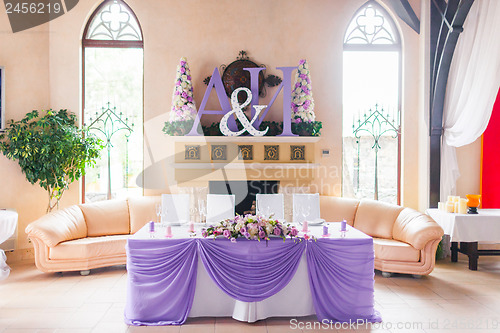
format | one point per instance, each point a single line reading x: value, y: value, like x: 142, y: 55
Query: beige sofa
x: 88, y: 236
x: 83, y: 237
x: 404, y: 240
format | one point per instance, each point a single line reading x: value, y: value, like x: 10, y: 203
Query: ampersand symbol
x: 237, y: 110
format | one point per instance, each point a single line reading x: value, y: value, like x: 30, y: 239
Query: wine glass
x: 306, y: 211
x: 268, y: 211
x: 202, y: 209
x: 158, y: 211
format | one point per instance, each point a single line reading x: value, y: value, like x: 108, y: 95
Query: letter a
x: 215, y: 82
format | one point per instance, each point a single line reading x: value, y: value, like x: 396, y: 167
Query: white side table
x: 469, y: 229
x: 8, y: 226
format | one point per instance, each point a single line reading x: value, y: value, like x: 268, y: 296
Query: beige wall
x: 25, y: 57
x: 44, y: 69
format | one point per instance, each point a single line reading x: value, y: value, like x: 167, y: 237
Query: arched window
x: 112, y: 58
x: 371, y: 106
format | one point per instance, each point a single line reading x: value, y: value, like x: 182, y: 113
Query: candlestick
x: 343, y: 225
x: 168, y: 231
x: 325, y: 230
x: 191, y: 227
x: 305, y: 226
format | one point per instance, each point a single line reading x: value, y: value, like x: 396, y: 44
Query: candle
x: 450, y: 207
x: 325, y: 230
x: 442, y: 206
x: 169, y: 231
x: 343, y: 225
x: 151, y: 226
x: 191, y: 227
x: 450, y: 198
x: 455, y: 206
x: 462, y: 206
x: 305, y: 226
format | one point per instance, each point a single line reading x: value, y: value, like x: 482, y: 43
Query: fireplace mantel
x: 199, y: 159
x: 246, y: 139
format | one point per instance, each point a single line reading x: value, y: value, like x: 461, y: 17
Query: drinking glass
x: 306, y: 211
x: 158, y: 212
x: 202, y: 209
x: 268, y: 211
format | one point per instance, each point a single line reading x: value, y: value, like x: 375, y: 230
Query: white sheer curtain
x: 472, y: 87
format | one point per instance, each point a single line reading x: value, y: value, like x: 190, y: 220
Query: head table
x: 171, y: 279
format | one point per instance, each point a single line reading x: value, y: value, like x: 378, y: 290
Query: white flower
x: 184, y: 77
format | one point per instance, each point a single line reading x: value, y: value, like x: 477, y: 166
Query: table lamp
x: 473, y: 203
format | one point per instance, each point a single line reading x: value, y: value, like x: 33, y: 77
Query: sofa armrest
x: 416, y: 229
x: 60, y: 226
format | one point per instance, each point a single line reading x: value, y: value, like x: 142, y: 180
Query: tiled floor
x: 452, y: 299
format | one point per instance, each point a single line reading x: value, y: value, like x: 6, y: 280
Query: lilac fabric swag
x: 162, y: 275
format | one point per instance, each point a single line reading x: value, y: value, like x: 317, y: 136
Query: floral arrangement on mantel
x: 253, y: 227
x: 303, y: 115
x: 183, y: 109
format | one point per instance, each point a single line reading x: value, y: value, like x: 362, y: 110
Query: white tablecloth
x: 295, y: 300
x: 8, y: 224
x: 483, y: 227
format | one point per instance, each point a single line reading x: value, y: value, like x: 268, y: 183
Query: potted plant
x: 51, y: 150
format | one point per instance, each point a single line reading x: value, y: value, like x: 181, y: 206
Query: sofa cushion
x: 89, y: 248
x: 416, y: 228
x: 335, y: 209
x: 59, y: 226
x: 142, y: 210
x: 376, y: 218
x: 105, y: 218
x: 390, y: 249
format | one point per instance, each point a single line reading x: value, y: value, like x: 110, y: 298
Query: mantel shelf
x: 242, y: 166
x: 247, y: 139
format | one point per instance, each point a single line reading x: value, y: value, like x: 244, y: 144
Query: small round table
x: 8, y: 225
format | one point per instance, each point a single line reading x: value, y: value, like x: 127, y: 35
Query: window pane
x: 115, y: 76
x: 370, y: 83
x: 114, y: 21
x: 370, y: 25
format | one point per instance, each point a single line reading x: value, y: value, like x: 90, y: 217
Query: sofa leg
x: 85, y: 272
x: 416, y: 276
x: 386, y: 274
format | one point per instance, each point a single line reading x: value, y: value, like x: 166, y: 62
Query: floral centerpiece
x: 183, y: 109
x: 251, y: 227
x: 303, y: 116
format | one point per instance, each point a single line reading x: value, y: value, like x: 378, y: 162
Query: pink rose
x: 302, y: 61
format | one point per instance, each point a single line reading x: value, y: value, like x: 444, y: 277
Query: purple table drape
x: 161, y: 281
x: 341, y: 277
x: 162, y: 275
x: 251, y: 271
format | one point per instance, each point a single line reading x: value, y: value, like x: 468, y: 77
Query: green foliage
x: 179, y: 128
x: 440, y: 251
x: 50, y: 150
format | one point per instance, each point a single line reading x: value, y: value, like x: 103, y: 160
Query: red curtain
x: 490, y: 160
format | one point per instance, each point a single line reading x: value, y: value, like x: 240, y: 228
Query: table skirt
x: 211, y: 301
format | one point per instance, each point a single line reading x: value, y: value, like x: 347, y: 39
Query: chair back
x: 268, y: 204
x: 303, y: 204
x: 220, y: 207
x: 175, y: 207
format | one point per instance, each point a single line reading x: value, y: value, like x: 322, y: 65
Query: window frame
x: 94, y: 43
x: 396, y: 46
